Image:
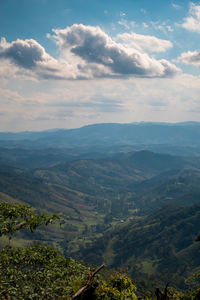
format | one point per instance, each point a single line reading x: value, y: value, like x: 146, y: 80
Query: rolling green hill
x: 158, y: 247
x: 17, y: 185
x: 121, y: 209
x: 137, y: 180
x: 114, y: 189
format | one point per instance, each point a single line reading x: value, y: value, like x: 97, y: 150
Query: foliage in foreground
x: 119, y: 286
x: 40, y: 272
x: 15, y: 217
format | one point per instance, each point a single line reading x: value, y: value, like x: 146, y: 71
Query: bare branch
x: 88, y: 284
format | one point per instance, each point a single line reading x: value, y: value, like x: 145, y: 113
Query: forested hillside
x: 159, y: 247
x: 127, y: 206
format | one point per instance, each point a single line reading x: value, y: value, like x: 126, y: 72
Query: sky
x: 70, y: 63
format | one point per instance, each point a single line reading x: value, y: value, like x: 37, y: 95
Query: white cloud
x: 96, y: 49
x: 86, y: 52
x: 29, y: 58
x: 190, y: 58
x: 105, y: 100
x: 144, y: 43
x: 24, y: 53
x: 192, y: 22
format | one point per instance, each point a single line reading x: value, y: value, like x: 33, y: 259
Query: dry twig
x: 88, y: 284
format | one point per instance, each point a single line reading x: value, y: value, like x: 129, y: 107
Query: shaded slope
x: 95, y: 175
x: 157, y: 246
x: 137, y: 180
x: 22, y: 185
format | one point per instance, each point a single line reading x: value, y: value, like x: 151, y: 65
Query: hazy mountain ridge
x: 185, y: 134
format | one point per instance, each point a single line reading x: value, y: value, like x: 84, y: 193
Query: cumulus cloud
x: 192, y: 22
x: 190, y: 58
x: 31, y: 56
x: 144, y: 43
x: 24, y: 53
x: 87, y: 52
x: 95, y: 47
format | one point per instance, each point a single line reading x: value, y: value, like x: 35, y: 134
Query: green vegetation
x: 103, y: 196
x: 117, y: 287
x: 136, y: 211
x: 17, y: 216
x: 40, y: 272
x: 172, y: 254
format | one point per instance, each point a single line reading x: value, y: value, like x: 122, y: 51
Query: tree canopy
x: 41, y: 272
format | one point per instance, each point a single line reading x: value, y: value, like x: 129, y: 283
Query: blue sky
x: 65, y: 64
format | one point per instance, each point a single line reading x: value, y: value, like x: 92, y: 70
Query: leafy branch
x: 14, y: 217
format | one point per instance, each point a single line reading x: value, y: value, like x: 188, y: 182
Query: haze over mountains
x: 129, y: 190
x: 179, y: 134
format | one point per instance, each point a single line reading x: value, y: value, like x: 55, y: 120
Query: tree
x: 14, y: 217
x: 40, y: 272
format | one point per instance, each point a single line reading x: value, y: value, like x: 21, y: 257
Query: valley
x: 130, y: 200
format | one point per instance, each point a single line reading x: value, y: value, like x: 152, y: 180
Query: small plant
x: 118, y: 287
